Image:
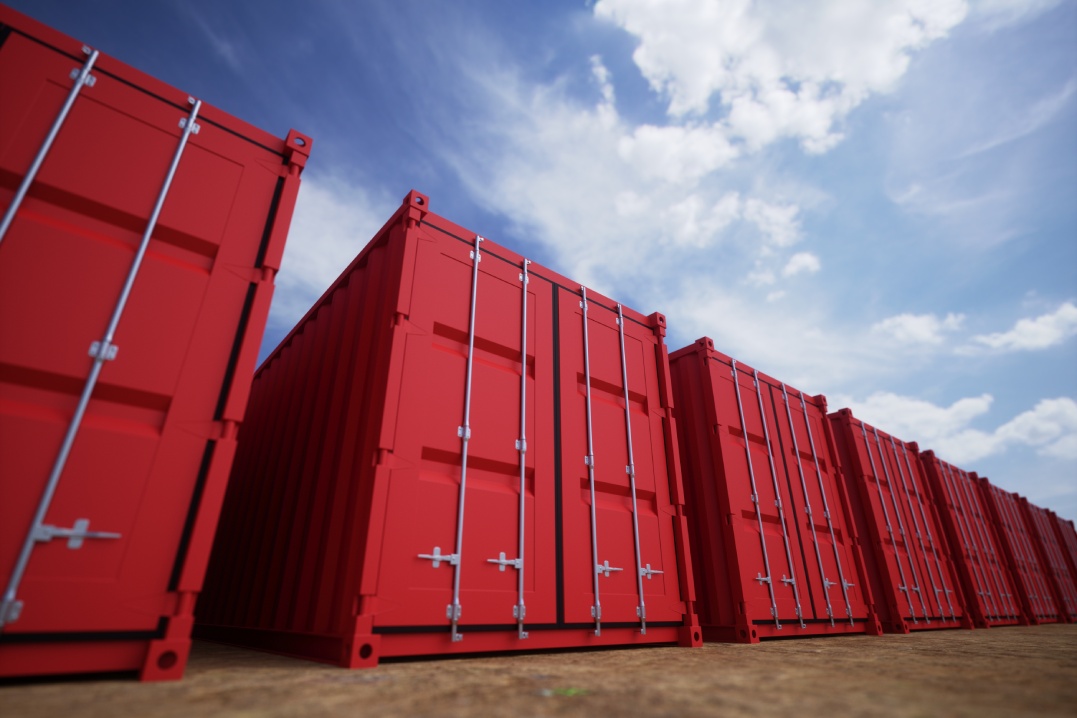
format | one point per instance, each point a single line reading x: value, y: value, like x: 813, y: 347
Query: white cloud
x: 1043, y: 332
x: 918, y: 328
x: 333, y: 221
x: 778, y: 223
x: 801, y: 262
x: 786, y: 68
x: 1050, y: 427
x: 995, y: 14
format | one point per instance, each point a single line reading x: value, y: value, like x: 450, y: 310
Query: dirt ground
x: 1015, y: 671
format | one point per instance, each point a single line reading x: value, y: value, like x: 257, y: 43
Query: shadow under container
x: 1034, y: 585
x: 990, y: 595
x: 775, y: 552
x: 913, y: 578
x: 141, y: 234
x: 455, y: 451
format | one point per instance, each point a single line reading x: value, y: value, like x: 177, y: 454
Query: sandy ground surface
x: 1015, y: 671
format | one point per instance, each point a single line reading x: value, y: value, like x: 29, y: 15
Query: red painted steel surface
x: 988, y: 586
x: 754, y: 464
x: 913, y: 579
x: 150, y: 459
x: 1018, y: 547
x: 1067, y: 540
x: 1041, y: 525
x: 339, y: 540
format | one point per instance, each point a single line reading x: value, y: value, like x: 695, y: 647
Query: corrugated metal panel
x: 1030, y: 578
x: 990, y: 596
x: 912, y: 575
x: 420, y: 475
x: 775, y: 552
x: 150, y: 223
x: 1067, y: 540
x: 1041, y: 527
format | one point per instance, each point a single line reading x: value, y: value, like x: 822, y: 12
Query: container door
x: 424, y: 569
x: 618, y: 550
x: 764, y: 551
x: 104, y: 555
x: 828, y: 577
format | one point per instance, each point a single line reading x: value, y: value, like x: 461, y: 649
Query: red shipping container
x: 776, y: 554
x: 1041, y: 527
x: 913, y: 579
x: 1067, y: 541
x: 425, y: 382
x: 988, y: 587
x: 1018, y: 550
x: 143, y: 228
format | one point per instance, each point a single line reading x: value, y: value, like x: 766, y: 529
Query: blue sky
x: 871, y: 199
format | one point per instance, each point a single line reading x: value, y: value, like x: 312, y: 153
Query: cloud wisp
x: 1050, y: 427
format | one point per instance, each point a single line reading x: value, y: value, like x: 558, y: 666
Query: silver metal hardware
x: 502, y: 562
x: 10, y: 610
x: 195, y: 127
x: 755, y: 495
x: 647, y: 571
x: 75, y: 535
x: 596, y: 610
x: 81, y: 80
x: 641, y: 610
x: 761, y: 578
x: 104, y: 351
x: 807, y: 499
x: 438, y: 557
x: 89, y: 80
x: 464, y: 433
x: 518, y: 610
x: 605, y: 569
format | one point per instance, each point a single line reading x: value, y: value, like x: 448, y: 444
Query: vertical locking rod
x: 81, y: 78
x: 522, y: 447
x: 464, y: 432
x: 807, y: 503
x: 826, y: 512
x: 755, y: 500
x: 641, y: 610
x: 596, y: 610
x: 792, y: 579
x: 101, y: 352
